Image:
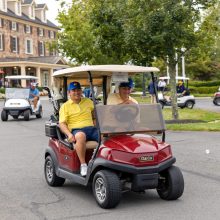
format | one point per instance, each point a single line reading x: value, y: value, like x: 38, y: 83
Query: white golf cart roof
x: 178, y: 78
x: 102, y: 70
x: 20, y: 77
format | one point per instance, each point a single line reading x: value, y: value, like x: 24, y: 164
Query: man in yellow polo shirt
x: 76, y: 121
x: 123, y: 97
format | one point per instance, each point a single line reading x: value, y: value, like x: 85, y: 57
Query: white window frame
x: 14, y: 25
x: 1, y: 42
x: 26, y: 46
x: 1, y: 25
x: 27, y: 29
x: 45, y: 78
x: 18, y: 8
x: 42, y: 47
x: 43, y: 16
x: 3, y: 5
x: 51, y: 34
x: 16, y: 44
x: 41, y: 32
x: 32, y: 12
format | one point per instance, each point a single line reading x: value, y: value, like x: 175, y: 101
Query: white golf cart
x: 186, y: 101
x: 17, y: 101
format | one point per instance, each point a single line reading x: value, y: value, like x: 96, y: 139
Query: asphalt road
x: 206, y: 104
x: 24, y: 193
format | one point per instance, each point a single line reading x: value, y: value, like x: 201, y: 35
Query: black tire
x: 217, y: 101
x: 4, y: 115
x: 50, y: 174
x: 189, y: 104
x: 162, y: 104
x: 26, y: 115
x: 39, y: 115
x: 171, y: 184
x: 106, y: 189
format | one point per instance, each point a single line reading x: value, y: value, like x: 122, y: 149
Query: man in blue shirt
x: 34, y: 94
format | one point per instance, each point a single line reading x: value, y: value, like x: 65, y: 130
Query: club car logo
x: 146, y: 158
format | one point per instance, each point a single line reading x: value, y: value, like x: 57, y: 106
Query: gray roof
x: 24, y: 17
x: 27, y: 2
x: 46, y: 59
x: 40, y: 5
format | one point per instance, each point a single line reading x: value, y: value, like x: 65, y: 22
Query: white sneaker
x: 83, y: 169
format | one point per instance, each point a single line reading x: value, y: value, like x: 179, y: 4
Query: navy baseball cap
x: 74, y: 85
x: 129, y: 84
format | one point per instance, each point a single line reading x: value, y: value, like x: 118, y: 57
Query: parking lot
x: 24, y: 193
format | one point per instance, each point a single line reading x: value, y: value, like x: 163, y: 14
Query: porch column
x: 23, y: 73
x: 51, y: 81
x: 38, y: 75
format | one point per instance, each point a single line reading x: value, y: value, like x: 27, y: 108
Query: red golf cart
x: 131, y: 153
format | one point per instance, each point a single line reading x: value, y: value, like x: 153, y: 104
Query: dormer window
x: 44, y: 19
x: 3, y: 5
x: 1, y: 22
x: 32, y: 12
x: 18, y: 8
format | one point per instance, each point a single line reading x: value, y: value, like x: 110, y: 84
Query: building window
x: 41, y: 32
x: 51, y: 34
x: 44, y: 19
x: 45, y: 79
x: 14, y: 44
x: 32, y: 13
x: 27, y: 29
x: 41, y: 48
x: 29, y: 46
x: 3, y: 5
x: 18, y: 8
x: 14, y: 26
x: 1, y: 41
x: 1, y: 22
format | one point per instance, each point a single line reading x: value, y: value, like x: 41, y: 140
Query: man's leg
x: 35, y: 100
x: 80, y: 146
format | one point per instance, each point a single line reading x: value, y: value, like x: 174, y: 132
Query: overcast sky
x: 53, y: 7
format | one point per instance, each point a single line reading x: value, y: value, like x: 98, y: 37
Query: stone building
x: 26, y: 39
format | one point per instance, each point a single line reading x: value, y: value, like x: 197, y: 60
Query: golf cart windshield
x: 130, y: 118
x: 16, y: 93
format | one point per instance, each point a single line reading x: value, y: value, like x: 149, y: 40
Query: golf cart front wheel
x: 4, y: 115
x: 50, y: 174
x: 171, y: 184
x: 106, y: 189
x: 26, y: 115
x: 189, y: 104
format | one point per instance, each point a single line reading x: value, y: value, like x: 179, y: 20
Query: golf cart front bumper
x: 142, y: 178
x: 15, y: 111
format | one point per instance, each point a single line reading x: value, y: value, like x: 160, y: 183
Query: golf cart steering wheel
x: 126, y: 113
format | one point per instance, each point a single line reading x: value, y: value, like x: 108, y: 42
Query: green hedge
x: 203, y: 90
x: 204, y: 83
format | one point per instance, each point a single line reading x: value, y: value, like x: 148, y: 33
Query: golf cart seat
x: 53, y: 130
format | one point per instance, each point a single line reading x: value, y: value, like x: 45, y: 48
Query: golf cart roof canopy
x: 178, y: 77
x: 102, y: 70
x: 25, y: 77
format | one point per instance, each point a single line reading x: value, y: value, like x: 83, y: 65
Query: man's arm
x: 65, y: 130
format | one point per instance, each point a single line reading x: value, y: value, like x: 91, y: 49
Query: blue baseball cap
x: 74, y: 85
x: 129, y: 84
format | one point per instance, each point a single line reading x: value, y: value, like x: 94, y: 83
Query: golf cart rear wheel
x: 106, y: 189
x: 4, y: 115
x: 171, y: 184
x: 26, y: 115
x: 50, y: 174
x: 39, y: 115
x: 217, y: 101
x: 189, y: 104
